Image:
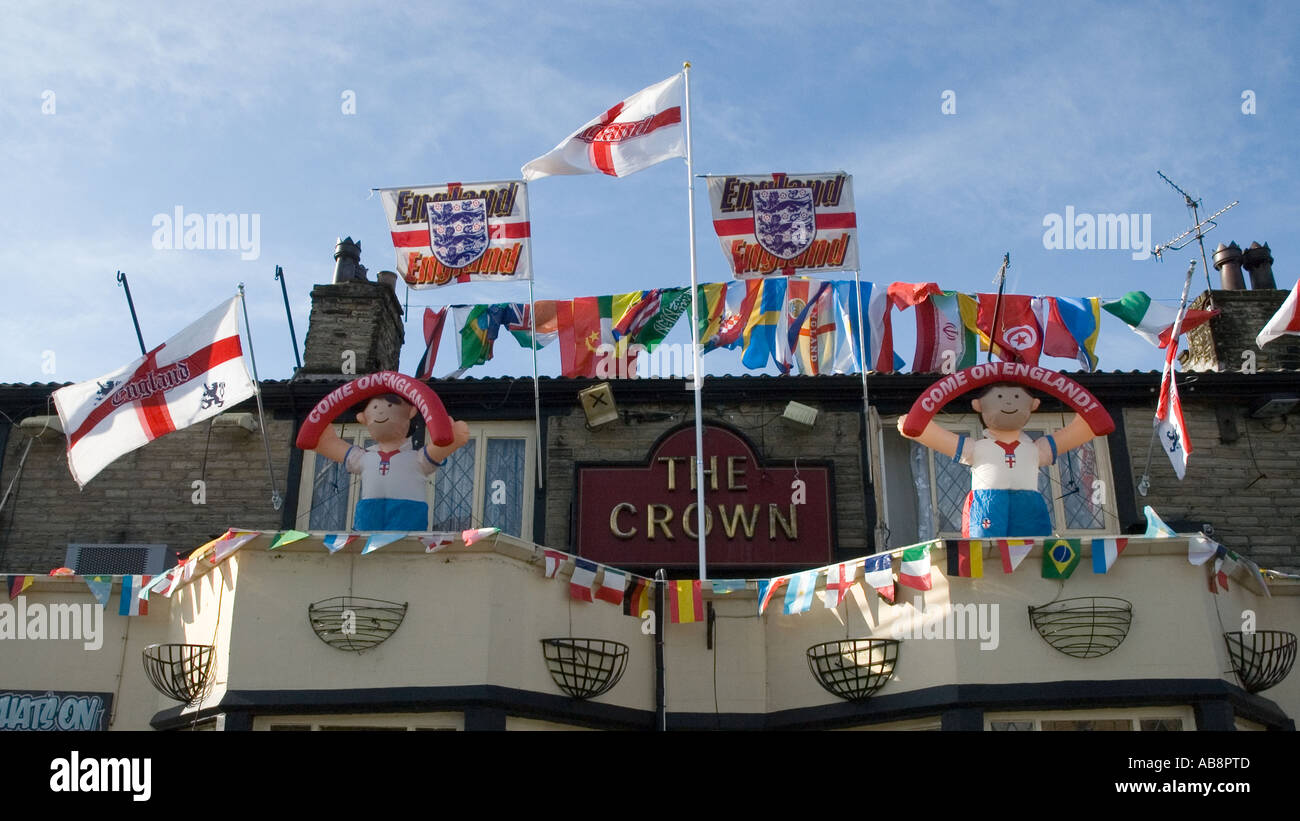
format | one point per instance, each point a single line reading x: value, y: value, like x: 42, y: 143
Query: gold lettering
x: 711, y: 471
x: 790, y: 526
x: 672, y: 469
x: 738, y: 516
x: 733, y: 473
x: 661, y: 515
x: 688, y: 521
x: 613, y: 520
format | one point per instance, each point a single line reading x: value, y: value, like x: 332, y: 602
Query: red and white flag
x: 1170, y: 428
x: 1285, y: 321
x: 644, y: 129
x: 194, y: 375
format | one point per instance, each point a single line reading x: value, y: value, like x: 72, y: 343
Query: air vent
x: 118, y: 559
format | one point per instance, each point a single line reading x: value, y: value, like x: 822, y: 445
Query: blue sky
x: 236, y: 108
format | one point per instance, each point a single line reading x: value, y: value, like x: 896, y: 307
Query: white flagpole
x: 698, y: 383
x: 860, y: 339
x: 276, y: 500
x: 537, y: 400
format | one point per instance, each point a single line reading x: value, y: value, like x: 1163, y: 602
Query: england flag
x: 194, y: 375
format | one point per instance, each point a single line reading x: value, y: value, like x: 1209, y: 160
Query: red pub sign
x: 755, y: 514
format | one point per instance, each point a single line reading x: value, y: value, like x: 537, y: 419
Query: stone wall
x: 362, y: 317
x: 1218, y: 345
x: 145, y: 497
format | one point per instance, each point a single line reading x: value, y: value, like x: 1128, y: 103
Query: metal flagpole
x: 997, y: 304
x: 861, y: 341
x: 293, y: 336
x: 276, y: 500
x: 698, y: 384
x: 121, y: 278
x: 537, y: 395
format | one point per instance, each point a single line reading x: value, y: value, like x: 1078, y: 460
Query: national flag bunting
x: 637, y: 597
x: 101, y: 587
x: 433, y: 542
x: 17, y: 584
x: 378, y: 540
x: 334, y: 542
x: 1156, y: 527
x: 1151, y: 320
x: 722, y: 587
x: 584, y: 576
x: 966, y: 558
x: 878, y: 572
x: 227, y: 545
x: 477, y: 534
x: 130, y: 602
x: 433, y: 322
x: 554, y: 560
x: 685, y: 601
x: 1014, y: 552
x: 611, y: 586
x: 1225, y: 561
x: 1060, y: 557
x: 914, y: 570
x: 839, y: 580
x: 195, y: 375
x: 767, y: 589
x: 1201, y: 548
x: 637, y: 133
x: 288, y: 537
x: 799, y: 592
x: 1105, y: 552
x: 1285, y: 321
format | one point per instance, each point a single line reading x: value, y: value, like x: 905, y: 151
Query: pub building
x: 440, y: 634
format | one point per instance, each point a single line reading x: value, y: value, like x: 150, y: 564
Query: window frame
x: 480, y: 433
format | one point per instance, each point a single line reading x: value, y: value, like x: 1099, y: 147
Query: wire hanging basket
x: 853, y: 669
x: 182, y: 672
x: 585, y: 668
x: 1261, y: 658
x: 355, y: 624
x: 1085, y: 627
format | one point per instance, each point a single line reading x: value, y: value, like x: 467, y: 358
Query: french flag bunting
x: 878, y: 572
x: 584, y: 576
x: 131, y: 604
x: 1105, y: 552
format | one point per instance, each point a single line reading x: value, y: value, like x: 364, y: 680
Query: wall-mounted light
x: 800, y: 415
x: 598, y: 404
x: 1279, y: 405
x: 38, y: 426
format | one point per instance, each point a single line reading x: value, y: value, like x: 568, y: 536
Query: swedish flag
x: 1060, y: 557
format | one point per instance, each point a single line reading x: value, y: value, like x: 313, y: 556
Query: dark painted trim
x: 958, y: 706
x: 1121, y: 473
x: 239, y: 722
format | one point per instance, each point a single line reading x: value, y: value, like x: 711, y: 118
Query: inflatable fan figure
x: 1004, y: 500
x: 393, y: 474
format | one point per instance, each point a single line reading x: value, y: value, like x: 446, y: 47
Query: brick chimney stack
x: 356, y: 325
x: 1221, y: 344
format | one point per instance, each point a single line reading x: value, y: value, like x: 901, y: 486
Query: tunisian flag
x: 644, y: 129
x: 194, y: 375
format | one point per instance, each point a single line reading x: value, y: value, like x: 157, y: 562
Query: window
x: 1141, y: 719
x: 1078, y: 488
x: 487, y: 483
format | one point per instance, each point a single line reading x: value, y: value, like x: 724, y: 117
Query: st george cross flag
x: 1285, y: 321
x: 839, y: 578
x: 194, y: 375
x: 460, y: 232
x: 644, y: 129
x: 1105, y: 552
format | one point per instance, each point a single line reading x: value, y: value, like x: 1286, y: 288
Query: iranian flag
x: 1152, y: 321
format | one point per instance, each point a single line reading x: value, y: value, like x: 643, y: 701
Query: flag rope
x: 277, y: 501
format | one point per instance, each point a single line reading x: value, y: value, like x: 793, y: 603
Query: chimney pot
x: 1227, y: 261
x: 1258, y: 262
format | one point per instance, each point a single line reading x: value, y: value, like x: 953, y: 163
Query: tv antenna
x: 1196, y: 232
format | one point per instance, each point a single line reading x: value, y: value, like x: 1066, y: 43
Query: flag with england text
x: 195, y: 375
x: 460, y: 232
x: 637, y: 133
x: 785, y: 224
